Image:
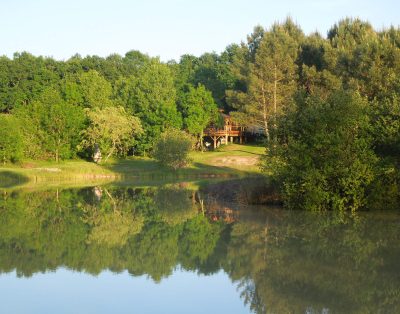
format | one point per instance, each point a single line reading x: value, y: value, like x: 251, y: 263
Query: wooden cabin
x: 227, y: 134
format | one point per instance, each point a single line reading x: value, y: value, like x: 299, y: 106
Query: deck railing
x: 222, y: 132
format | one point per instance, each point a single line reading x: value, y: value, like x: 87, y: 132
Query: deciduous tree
x: 112, y: 129
x: 198, y: 109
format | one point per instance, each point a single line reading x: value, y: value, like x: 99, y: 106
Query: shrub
x: 327, y: 161
x: 172, y: 149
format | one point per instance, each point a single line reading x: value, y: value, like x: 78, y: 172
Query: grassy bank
x: 231, y: 160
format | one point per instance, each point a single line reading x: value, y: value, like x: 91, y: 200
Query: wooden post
x: 215, y: 142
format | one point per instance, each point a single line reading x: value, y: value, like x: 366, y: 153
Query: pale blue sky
x: 169, y: 28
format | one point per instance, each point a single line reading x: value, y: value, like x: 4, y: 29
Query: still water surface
x: 154, y: 250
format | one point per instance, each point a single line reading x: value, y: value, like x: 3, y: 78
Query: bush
x: 327, y: 161
x: 172, y: 149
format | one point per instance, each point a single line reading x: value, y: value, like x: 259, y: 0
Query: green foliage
x: 271, y: 79
x: 11, y: 142
x: 385, y: 131
x: 51, y: 126
x: 96, y: 90
x: 172, y: 148
x: 386, y: 125
x: 198, y: 110
x: 112, y: 129
x: 25, y: 77
x: 301, y: 260
x: 327, y: 161
x: 150, y: 95
x: 349, y: 32
x: 71, y: 91
x: 112, y: 229
x: 177, y: 210
x: 210, y: 70
x: 198, y: 240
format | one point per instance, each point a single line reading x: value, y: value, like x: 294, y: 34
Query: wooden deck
x: 219, y: 132
x: 226, y: 133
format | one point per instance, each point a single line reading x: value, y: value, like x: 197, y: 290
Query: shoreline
x: 228, y: 162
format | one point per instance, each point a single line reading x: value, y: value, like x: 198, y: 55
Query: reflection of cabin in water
x: 223, y: 214
x: 229, y: 133
x: 217, y: 212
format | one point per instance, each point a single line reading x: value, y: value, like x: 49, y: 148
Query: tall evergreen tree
x: 271, y: 81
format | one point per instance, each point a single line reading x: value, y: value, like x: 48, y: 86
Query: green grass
x: 227, y: 161
x: 47, y: 173
x: 231, y: 152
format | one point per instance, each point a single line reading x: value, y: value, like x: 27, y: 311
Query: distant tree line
x: 328, y: 107
x: 58, y: 105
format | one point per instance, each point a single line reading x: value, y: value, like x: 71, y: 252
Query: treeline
x: 59, y: 109
x: 328, y: 107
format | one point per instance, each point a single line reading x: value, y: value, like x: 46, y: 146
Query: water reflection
x: 282, y: 262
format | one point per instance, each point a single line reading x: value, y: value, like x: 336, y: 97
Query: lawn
x: 231, y: 160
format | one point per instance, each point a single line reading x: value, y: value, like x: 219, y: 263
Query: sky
x: 169, y: 28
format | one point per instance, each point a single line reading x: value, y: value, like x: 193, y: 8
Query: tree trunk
x: 266, y: 127
x: 109, y: 155
x: 111, y: 152
x: 275, y: 88
x: 201, y: 140
x: 265, y: 113
x: 275, y: 105
x: 58, y: 149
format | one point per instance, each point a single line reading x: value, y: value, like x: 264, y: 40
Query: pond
x: 170, y: 249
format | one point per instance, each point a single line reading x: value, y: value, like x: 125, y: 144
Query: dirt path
x: 236, y: 161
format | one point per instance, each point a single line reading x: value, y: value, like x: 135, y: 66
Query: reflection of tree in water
x: 113, y: 229
x: 145, y: 231
x: 175, y: 204
x: 113, y: 223
x: 282, y: 262
x: 317, y: 263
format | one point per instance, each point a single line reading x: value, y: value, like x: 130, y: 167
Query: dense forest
x: 328, y: 107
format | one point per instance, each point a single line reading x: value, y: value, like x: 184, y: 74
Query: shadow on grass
x: 9, y: 179
x: 246, y: 152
